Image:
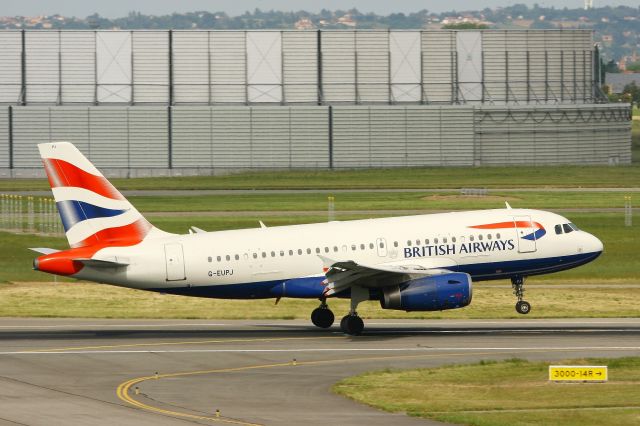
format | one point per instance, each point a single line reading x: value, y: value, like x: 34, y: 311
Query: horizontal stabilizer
x: 43, y: 250
x: 98, y: 263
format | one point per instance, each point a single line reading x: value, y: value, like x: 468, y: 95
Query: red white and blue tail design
x: 93, y: 212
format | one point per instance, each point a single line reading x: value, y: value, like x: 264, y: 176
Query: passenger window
x: 417, y: 242
x: 471, y: 238
x: 435, y: 241
x: 273, y: 254
x: 219, y: 259
x: 318, y: 250
x: 426, y: 241
x: 480, y: 237
x: 237, y: 257
x: 409, y: 243
x: 299, y: 252
x: 381, y: 244
x: 558, y: 229
x: 395, y: 244
x: 335, y: 249
x: 567, y: 228
x: 371, y: 246
x: 210, y: 259
x: 361, y: 246
x: 488, y: 236
x: 264, y: 254
x: 498, y: 236
x: 308, y: 251
x: 444, y: 240
x: 453, y: 239
x: 281, y: 253
x: 255, y: 255
x: 353, y: 247
x: 228, y: 257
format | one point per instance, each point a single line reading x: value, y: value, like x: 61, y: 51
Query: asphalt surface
x: 103, y: 372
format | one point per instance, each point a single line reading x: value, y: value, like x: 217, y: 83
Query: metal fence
x: 30, y: 215
x: 154, y: 140
x: 296, y: 67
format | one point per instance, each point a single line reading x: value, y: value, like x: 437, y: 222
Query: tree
x: 632, y: 90
x: 635, y: 67
x: 465, y: 26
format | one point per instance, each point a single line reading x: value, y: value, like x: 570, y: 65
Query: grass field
x: 510, y: 393
x: 422, y: 178
x: 382, y: 201
x: 84, y: 300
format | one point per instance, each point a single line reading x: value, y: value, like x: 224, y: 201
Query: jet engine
x: 434, y: 293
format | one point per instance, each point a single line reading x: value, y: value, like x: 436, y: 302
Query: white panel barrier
x: 113, y: 55
x: 264, y: 66
x: 406, y: 72
x: 469, y: 52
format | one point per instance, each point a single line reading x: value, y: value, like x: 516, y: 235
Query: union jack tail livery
x: 93, y: 211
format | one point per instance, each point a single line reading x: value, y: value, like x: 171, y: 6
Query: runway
x: 176, y: 372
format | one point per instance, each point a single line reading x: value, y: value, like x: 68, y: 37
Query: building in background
x: 200, y: 102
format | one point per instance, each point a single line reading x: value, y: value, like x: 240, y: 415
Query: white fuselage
x: 212, y: 264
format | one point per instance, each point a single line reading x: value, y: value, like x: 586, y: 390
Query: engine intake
x: 436, y: 293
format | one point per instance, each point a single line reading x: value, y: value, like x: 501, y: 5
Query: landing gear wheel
x: 322, y: 317
x: 352, y: 324
x: 523, y: 307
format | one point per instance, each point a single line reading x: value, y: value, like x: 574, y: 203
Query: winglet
x: 507, y: 204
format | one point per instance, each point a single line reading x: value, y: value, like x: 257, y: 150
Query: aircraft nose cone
x: 595, y: 245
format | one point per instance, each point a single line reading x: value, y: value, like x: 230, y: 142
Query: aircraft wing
x: 342, y: 275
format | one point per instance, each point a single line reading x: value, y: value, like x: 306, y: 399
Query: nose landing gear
x: 522, y: 306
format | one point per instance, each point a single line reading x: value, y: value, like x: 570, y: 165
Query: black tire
x: 353, y: 325
x: 524, y: 308
x: 518, y: 303
x: 322, y: 317
x: 343, y: 324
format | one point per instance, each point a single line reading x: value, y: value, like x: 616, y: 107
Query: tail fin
x: 92, y: 210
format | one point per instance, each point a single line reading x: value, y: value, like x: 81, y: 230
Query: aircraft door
x: 526, y: 233
x: 381, y: 245
x: 174, y: 257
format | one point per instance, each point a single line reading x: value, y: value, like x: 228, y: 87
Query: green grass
x: 513, y: 392
x: 381, y: 201
x: 423, y: 178
x: 88, y: 300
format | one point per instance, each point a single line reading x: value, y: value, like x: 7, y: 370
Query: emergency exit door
x: 174, y: 257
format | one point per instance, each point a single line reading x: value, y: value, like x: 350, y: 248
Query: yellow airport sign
x: 578, y: 373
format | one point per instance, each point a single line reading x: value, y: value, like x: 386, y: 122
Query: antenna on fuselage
x: 507, y: 204
x: 262, y: 225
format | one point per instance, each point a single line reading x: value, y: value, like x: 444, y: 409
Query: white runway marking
x: 406, y: 349
x: 107, y: 326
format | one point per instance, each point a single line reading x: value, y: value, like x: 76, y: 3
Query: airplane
x: 412, y: 263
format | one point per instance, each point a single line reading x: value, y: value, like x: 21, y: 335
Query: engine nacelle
x: 437, y: 293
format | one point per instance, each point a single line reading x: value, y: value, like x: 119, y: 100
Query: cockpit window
x: 575, y: 228
x: 558, y: 229
x: 567, y: 228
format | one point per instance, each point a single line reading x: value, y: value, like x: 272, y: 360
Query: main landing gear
x: 522, y: 306
x: 322, y: 316
x: 351, y: 323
